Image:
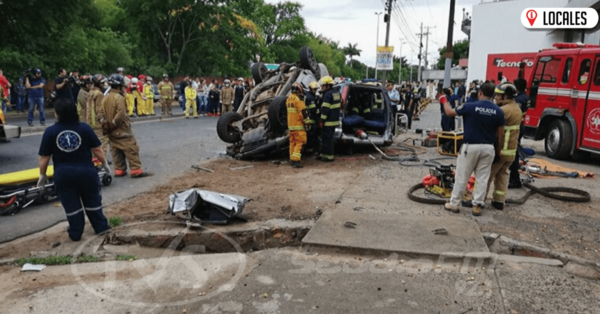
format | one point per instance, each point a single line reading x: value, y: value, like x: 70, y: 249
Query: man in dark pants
x: 63, y: 86
x: 330, y: 118
x: 239, y: 92
x: 522, y: 100
x: 313, y: 117
x: 409, y: 104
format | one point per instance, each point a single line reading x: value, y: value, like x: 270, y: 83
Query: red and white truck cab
x: 564, y: 88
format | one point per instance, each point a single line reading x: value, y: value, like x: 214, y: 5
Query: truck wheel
x: 278, y: 115
x: 226, y: 132
x: 259, y: 72
x: 558, y: 140
x: 308, y: 60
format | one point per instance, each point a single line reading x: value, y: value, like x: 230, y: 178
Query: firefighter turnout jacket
x: 115, y: 111
x: 295, y: 106
x: 166, y: 90
x: 330, y: 108
x: 510, y: 138
x: 95, y: 110
x: 311, y: 107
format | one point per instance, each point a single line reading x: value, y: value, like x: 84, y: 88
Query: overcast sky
x: 354, y: 21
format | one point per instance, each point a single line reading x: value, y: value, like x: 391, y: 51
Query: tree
x: 461, y: 50
x: 352, y: 50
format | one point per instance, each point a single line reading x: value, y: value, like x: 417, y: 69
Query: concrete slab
x: 395, y: 233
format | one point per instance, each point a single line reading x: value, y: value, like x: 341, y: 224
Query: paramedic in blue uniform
x: 70, y: 144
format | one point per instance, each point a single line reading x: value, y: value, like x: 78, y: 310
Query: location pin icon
x: 531, y: 16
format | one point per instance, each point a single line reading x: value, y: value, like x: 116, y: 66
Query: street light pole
x: 377, y: 42
x: 400, y: 63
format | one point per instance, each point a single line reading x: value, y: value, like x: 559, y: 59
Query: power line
x: 429, y: 8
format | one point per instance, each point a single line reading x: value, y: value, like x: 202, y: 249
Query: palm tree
x: 352, y: 50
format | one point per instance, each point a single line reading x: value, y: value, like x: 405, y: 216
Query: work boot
x: 498, y: 205
x: 466, y: 203
x: 476, y: 210
x: 142, y: 175
x: 515, y: 185
x: 452, y: 208
x: 298, y: 164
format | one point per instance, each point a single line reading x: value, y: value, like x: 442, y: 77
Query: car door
x: 590, y: 116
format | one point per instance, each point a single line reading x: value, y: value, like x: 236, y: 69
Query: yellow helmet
x: 314, y: 85
x: 326, y: 80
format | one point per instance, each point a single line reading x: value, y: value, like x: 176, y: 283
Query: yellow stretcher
x: 19, y: 189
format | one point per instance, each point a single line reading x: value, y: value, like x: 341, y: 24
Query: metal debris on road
x: 350, y: 224
x: 203, y: 169
x: 441, y: 231
x: 371, y: 156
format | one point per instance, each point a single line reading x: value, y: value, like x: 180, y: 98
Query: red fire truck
x: 564, y: 88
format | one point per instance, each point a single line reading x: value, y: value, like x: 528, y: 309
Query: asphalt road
x: 167, y: 148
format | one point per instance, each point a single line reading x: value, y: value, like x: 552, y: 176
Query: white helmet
x: 240, y: 79
x: 134, y: 80
x: 227, y: 82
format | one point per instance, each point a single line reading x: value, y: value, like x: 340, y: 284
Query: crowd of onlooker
x: 32, y: 89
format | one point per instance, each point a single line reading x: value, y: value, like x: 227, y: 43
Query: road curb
x: 40, y: 128
x: 504, y: 245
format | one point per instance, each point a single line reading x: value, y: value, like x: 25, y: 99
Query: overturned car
x: 259, y: 127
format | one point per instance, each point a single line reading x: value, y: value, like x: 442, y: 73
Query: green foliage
x: 115, y: 221
x: 84, y: 258
x: 460, y: 49
x: 208, y: 37
x: 51, y: 260
x: 126, y: 258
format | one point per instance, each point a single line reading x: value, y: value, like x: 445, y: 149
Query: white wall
x: 496, y: 28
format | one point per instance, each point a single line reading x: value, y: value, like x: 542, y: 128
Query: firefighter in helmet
x: 330, y: 118
x: 117, y: 127
x: 296, y: 116
x: 505, y: 98
x: 95, y: 110
x: 313, y: 116
x: 166, y: 90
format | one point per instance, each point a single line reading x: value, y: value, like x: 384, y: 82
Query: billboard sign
x: 385, y: 58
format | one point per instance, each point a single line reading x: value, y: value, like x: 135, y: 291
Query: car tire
x: 259, y: 72
x: 225, y: 131
x: 278, y: 115
x: 558, y: 140
x: 309, y: 62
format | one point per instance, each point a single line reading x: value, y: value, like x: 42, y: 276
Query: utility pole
x: 400, y: 63
x: 449, y: 53
x: 420, y: 51
x: 377, y: 42
x: 427, y: 47
x: 387, y: 33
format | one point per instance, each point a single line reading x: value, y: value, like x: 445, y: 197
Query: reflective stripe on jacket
x: 513, y: 118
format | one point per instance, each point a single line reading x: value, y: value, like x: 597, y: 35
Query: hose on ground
x: 550, y: 192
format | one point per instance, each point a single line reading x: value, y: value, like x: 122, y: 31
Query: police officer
x: 505, y: 99
x: 296, y: 115
x: 117, y: 127
x: 166, y: 90
x: 70, y: 144
x: 330, y: 118
x: 484, y: 123
x: 313, y: 116
x: 240, y: 91
x: 522, y: 101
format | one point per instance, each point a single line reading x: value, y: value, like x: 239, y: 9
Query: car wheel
x: 226, y: 132
x: 278, y: 115
x: 308, y: 61
x: 558, y: 140
x: 259, y: 72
